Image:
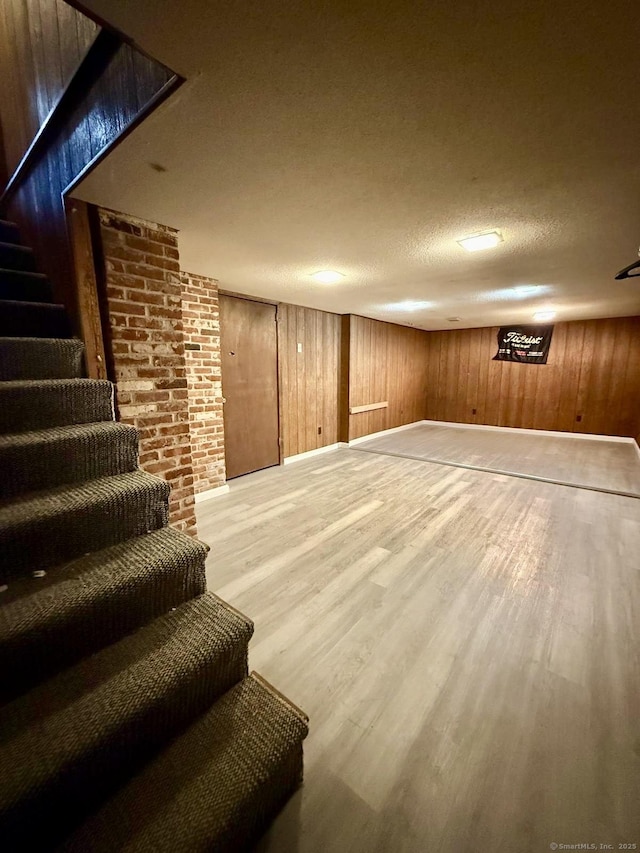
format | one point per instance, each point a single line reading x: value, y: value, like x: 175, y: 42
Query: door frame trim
x: 222, y: 292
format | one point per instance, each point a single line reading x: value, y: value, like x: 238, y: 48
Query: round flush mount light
x: 453, y: 319
x: 544, y: 316
x: 327, y: 276
x: 526, y: 289
x: 483, y: 240
x: 408, y: 305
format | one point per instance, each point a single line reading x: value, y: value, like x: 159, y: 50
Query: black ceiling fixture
x: 626, y: 272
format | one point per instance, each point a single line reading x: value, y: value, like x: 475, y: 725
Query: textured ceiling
x: 367, y: 137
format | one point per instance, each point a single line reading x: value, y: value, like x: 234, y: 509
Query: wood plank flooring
x: 599, y: 464
x: 465, y: 644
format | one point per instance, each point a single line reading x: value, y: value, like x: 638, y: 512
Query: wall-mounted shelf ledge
x: 370, y: 407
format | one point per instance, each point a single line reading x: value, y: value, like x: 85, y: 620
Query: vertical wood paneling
x: 631, y: 403
x: 344, y: 377
x: 593, y: 371
x: 310, y: 378
x: 93, y: 112
x: 327, y: 364
x: 567, y: 377
x: 43, y: 42
x: 388, y: 362
x: 472, y: 377
x: 462, y: 378
x: 584, y: 379
x: 301, y: 376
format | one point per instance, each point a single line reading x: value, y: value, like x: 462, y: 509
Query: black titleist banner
x: 526, y: 344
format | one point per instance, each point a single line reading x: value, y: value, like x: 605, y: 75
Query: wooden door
x: 249, y: 385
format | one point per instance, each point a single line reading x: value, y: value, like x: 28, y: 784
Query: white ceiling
x: 367, y: 136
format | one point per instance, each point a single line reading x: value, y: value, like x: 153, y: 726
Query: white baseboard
x: 556, y: 434
x: 309, y: 453
x: 383, y: 432
x: 212, y: 493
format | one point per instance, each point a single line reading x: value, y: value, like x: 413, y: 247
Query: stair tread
x: 52, y: 307
x: 71, y: 498
x: 52, y: 434
x: 214, y: 788
x: 40, y: 358
x: 42, y: 530
x: 75, y: 342
x: 5, y: 244
x: 26, y: 273
x: 20, y: 283
x: 77, y: 381
x: 45, y: 458
x: 33, y: 384
x: 73, y: 738
x: 99, y: 598
x: 31, y: 404
x: 24, y: 318
x: 9, y: 230
x: 29, y: 600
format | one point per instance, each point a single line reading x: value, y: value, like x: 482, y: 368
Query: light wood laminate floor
x: 601, y: 464
x: 465, y: 644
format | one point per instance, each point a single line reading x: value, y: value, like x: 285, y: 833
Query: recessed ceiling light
x: 544, y: 316
x: 327, y: 276
x: 453, y: 319
x: 485, y: 240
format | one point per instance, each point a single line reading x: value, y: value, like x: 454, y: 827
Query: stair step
x: 25, y: 286
x: 9, y: 232
x: 216, y: 787
x: 40, y: 358
x: 71, y: 741
x: 13, y: 256
x: 48, y: 624
x: 41, y: 404
x: 33, y: 320
x: 45, y: 529
x: 44, y: 459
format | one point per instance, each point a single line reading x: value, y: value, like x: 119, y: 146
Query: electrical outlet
x: 578, y: 418
x: 474, y: 411
x: 299, y: 347
x: 319, y: 430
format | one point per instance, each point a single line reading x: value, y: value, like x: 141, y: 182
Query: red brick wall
x: 142, y: 270
x: 202, y: 356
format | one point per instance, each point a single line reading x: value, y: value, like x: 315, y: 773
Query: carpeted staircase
x: 128, y: 719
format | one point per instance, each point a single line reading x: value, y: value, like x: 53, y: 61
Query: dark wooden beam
x: 87, y: 296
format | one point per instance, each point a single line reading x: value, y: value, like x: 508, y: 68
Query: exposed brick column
x: 201, y: 322
x: 142, y: 269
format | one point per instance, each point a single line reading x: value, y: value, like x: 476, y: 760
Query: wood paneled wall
x: 593, y: 373
x: 308, y: 379
x: 43, y: 43
x: 386, y: 362
x: 4, y: 171
x: 113, y: 87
